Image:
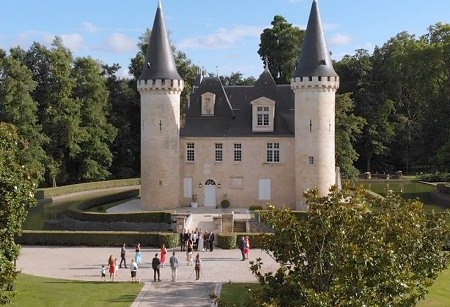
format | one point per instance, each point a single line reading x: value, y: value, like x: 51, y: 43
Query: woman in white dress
x: 200, y: 241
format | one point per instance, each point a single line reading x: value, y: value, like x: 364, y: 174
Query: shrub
x: 225, y: 203
x: 97, y: 238
x: 231, y: 240
x: 255, y: 207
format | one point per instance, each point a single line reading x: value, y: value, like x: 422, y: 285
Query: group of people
x: 199, y: 240
x: 157, y: 264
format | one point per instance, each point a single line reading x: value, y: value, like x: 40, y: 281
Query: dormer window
x: 263, y: 113
x: 208, y: 103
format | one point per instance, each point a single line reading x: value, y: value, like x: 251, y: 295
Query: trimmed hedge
x: 443, y: 188
x: 97, y: 238
x: 231, y: 240
x: 78, y: 212
x: 81, y: 187
x: 434, y: 177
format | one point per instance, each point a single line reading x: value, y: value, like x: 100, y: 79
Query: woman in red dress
x: 246, y: 247
x: 163, y: 255
x: 112, y: 267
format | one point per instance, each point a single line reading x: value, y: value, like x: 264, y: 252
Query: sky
x: 220, y: 36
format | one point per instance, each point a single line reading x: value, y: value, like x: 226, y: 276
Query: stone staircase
x: 240, y: 226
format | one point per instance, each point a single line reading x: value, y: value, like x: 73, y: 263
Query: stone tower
x: 160, y: 87
x: 314, y: 84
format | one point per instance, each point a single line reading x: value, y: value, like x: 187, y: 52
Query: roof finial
x: 159, y: 4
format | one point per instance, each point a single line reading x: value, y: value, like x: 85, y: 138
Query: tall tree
x: 18, y: 108
x: 95, y: 157
x: 346, y: 254
x: 59, y: 113
x: 17, y: 186
x: 281, y: 45
x: 348, y: 128
x: 124, y: 115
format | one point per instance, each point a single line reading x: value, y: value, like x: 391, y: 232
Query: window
x: 219, y: 152
x: 208, y: 102
x: 264, y: 189
x: 237, y: 152
x: 273, y: 152
x: 190, y: 153
x: 262, y: 114
x: 311, y: 160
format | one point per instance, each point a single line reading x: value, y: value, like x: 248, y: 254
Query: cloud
x: 121, y: 43
x: 340, y: 39
x: 74, y: 41
x: 123, y: 73
x: 90, y: 27
x: 223, y: 39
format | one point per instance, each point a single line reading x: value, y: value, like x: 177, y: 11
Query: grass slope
x: 39, y: 291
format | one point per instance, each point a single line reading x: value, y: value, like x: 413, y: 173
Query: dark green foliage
x: 434, y: 177
x: 16, y: 197
x: 230, y: 240
x: 97, y: 238
x: 280, y: 45
x: 82, y: 187
x: 255, y: 207
x: 225, y: 203
x: 352, y: 251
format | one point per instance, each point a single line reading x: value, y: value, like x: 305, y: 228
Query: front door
x: 210, y: 193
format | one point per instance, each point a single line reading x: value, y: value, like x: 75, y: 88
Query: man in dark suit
x: 182, y: 240
x: 211, y: 241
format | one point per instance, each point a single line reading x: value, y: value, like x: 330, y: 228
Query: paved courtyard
x: 84, y: 263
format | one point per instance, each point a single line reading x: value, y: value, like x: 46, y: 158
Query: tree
x: 95, y: 157
x: 124, y: 115
x: 58, y: 112
x: 18, y: 108
x: 17, y: 185
x: 352, y: 251
x: 236, y: 78
x: 281, y: 45
x: 348, y: 128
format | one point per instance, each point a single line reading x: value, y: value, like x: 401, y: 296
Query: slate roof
x: 159, y: 62
x: 314, y: 56
x: 233, y: 109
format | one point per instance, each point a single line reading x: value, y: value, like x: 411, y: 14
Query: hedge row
x: 89, y: 186
x: 78, y: 211
x: 231, y: 240
x: 443, y: 188
x: 97, y: 238
x: 434, y: 177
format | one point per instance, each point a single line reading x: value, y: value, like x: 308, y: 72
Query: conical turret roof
x: 159, y: 62
x: 314, y: 56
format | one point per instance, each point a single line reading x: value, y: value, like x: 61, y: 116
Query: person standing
x: 103, y: 270
x: 155, y: 266
x: 189, y: 252
x: 133, y: 270
x: 123, y: 253
x: 112, y: 267
x: 138, y: 256
x: 174, y: 266
x: 163, y: 255
x: 200, y: 241
x: 247, y: 247
x: 211, y: 241
x: 116, y: 267
x: 197, y: 267
x: 206, y: 241
x: 242, y: 247
x: 183, y: 240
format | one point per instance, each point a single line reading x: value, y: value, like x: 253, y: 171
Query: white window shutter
x: 188, y: 187
x: 264, y: 189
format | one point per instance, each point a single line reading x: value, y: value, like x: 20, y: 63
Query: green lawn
x: 39, y: 291
x: 439, y: 296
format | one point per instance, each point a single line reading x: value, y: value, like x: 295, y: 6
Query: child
x: 133, y: 269
x: 103, y: 270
